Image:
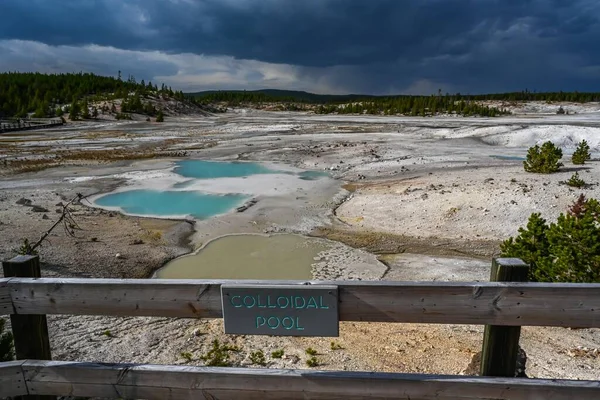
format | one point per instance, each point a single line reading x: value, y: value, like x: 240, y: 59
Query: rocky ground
x: 431, y: 197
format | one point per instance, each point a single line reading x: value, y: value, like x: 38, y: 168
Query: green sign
x: 281, y: 310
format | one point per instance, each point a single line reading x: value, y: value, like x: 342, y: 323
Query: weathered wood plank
x: 500, y: 348
x: 5, y: 300
x: 150, y: 393
x: 143, y: 297
x: 30, y: 331
x: 12, y: 382
x: 179, y: 382
x: 493, y: 303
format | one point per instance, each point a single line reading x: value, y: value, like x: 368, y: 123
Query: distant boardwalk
x: 24, y: 124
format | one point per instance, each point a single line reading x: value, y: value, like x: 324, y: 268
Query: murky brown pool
x: 248, y: 257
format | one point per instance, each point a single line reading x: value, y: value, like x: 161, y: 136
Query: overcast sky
x: 321, y: 46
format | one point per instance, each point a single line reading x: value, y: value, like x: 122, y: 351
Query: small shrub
x: 576, y: 181
x: 565, y: 251
x: 152, y: 235
x: 277, y: 353
x: 187, y: 356
x: 311, y: 352
x: 218, y: 356
x: 7, y: 351
x: 312, y: 362
x: 26, y: 248
x: 107, y: 333
x: 335, y: 346
x: 581, y: 154
x: 544, y: 159
x: 258, y: 358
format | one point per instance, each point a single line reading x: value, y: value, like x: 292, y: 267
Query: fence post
x: 501, y: 343
x: 30, y: 331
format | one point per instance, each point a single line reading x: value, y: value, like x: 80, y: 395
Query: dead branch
x: 67, y: 220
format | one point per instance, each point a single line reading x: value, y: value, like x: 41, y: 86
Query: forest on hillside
x: 414, y: 106
x: 50, y: 95
x: 45, y: 95
x: 467, y: 105
x: 355, y: 104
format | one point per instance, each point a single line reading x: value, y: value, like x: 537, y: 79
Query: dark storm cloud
x: 378, y: 45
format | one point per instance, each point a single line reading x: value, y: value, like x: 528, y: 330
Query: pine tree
x: 581, y: 154
x: 544, y: 159
x: 160, y: 117
x: 531, y: 245
x: 74, y: 111
x: 565, y: 251
x: 41, y: 111
x: 85, y: 110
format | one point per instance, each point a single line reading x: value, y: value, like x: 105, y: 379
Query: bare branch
x: 65, y: 217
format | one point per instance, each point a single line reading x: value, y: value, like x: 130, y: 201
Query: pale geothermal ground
x: 412, y: 199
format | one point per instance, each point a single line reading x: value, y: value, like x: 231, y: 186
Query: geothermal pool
x: 201, y: 169
x: 203, y: 189
x: 281, y: 256
x: 171, y: 203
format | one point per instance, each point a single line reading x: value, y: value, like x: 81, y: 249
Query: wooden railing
x: 494, y: 304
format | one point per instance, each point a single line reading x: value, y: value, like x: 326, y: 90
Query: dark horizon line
x: 388, y: 95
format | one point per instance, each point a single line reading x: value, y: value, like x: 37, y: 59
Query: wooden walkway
x: 13, y: 125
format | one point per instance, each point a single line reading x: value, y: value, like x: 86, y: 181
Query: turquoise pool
x: 511, y: 158
x: 171, y: 203
x: 179, y: 199
x: 200, y: 169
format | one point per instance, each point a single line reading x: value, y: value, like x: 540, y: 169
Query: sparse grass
x: 452, y: 211
x: 335, y: 346
x: 74, y: 158
x: 22, y: 161
x: 187, y: 356
x: 152, y: 236
x: 258, y: 358
x: 312, y: 362
x: 107, y: 333
x: 277, y: 353
x: 218, y: 355
x: 311, y: 352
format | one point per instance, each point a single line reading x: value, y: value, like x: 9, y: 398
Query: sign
x: 281, y: 310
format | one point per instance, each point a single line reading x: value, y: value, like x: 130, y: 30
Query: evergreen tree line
x: 415, y: 106
x: 237, y: 97
x: 43, y: 94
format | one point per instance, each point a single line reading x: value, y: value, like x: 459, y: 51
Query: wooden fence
x: 502, y: 306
